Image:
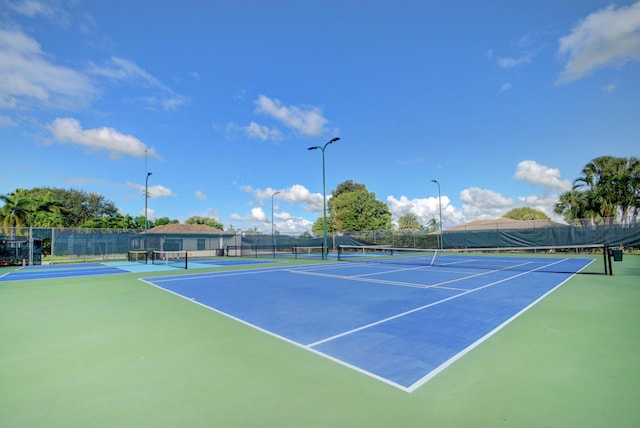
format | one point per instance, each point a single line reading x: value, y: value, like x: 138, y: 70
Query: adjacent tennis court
x: 69, y: 270
x: 399, y: 323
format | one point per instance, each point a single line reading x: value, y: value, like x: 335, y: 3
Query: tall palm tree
x: 16, y: 210
x: 606, y: 181
x: 630, y: 190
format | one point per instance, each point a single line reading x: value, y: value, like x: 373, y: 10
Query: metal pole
x: 325, y: 248
x: 441, y: 245
x: 273, y: 236
x: 146, y: 197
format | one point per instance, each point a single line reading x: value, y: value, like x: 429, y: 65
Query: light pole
x: 440, y: 208
x: 273, y: 236
x: 146, y: 197
x: 324, y: 194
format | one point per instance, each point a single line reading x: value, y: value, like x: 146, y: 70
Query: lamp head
x: 314, y: 148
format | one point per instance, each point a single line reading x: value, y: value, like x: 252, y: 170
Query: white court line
x: 361, y: 278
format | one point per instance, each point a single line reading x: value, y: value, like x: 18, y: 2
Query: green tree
x: 526, y: 213
x: 74, y: 206
x: 433, y: 225
x: 608, y: 187
x: 17, y: 208
x: 165, y: 220
x: 409, y: 221
x: 353, y: 208
x: 205, y: 220
x: 47, y: 212
x: 317, y: 229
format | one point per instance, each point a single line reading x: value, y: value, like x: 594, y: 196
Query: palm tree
x: 575, y: 205
x: 47, y: 212
x: 16, y: 210
x: 433, y: 225
x: 628, y: 190
x: 409, y: 221
x: 610, y: 188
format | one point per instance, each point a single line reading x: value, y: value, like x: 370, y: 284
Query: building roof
x: 504, y: 223
x: 186, y: 229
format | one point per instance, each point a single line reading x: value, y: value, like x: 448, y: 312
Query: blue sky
x: 502, y: 102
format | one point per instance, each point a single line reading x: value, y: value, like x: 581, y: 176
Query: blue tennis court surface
x: 110, y: 268
x: 399, y: 324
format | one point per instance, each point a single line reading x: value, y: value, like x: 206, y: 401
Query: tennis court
x: 401, y: 324
x: 69, y: 270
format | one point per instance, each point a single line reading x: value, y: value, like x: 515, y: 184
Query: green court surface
x: 113, y: 351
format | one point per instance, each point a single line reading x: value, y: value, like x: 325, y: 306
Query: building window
x: 172, y: 244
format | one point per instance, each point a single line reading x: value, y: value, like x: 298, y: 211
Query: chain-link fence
x: 33, y: 246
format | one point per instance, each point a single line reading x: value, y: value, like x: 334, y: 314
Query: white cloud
x: 256, y: 215
x: 155, y: 191
x: 545, y: 203
x: 505, y: 87
x: 200, y: 195
x: 479, y: 204
x: 294, y: 195
x: 67, y: 130
x: 291, y: 225
x: 307, y: 120
x: 29, y: 79
x: 34, y: 9
x: 297, y: 195
x: 151, y: 214
x: 607, y: 37
x: 120, y: 69
x: 6, y: 121
x: 262, y: 132
x: 425, y: 209
x: 514, y: 62
x: 537, y: 174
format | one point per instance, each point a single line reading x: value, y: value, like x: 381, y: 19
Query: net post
x: 608, y: 266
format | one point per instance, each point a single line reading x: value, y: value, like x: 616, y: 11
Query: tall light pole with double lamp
x: 146, y: 198
x: 273, y: 236
x: 440, y: 208
x: 325, y: 249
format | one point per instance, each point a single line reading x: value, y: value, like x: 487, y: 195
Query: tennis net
x: 178, y: 259
x: 310, y: 251
x: 594, y: 259
x: 138, y: 256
